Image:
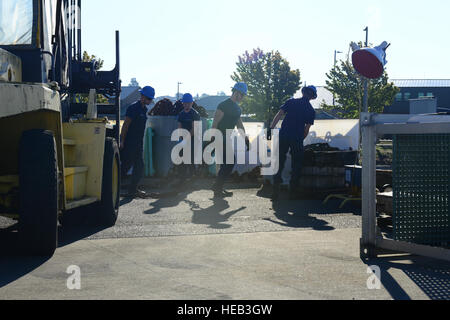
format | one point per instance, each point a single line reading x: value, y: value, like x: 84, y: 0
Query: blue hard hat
x: 187, y: 98
x: 148, y: 91
x: 241, y: 87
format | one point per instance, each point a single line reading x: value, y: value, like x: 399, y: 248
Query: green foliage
x: 270, y: 80
x: 89, y: 58
x: 84, y: 98
x: 348, y: 88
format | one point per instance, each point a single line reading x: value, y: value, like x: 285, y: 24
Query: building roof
x: 323, y: 115
x: 421, y: 83
x: 323, y: 96
x: 128, y: 96
x: 126, y: 91
x: 211, y: 102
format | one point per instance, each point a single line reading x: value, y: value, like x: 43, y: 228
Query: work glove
x: 269, y: 134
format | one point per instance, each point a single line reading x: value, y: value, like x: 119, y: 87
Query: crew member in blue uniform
x: 228, y: 117
x: 299, y: 117
x: 132, y: 141
x: 186, y: 120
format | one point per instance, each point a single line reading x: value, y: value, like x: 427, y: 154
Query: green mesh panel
x: 421, y: 183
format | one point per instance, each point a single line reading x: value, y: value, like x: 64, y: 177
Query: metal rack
x: 373, y: 126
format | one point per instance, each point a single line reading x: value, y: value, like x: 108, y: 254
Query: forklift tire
x: 38, y: 176
x: 109, y: 205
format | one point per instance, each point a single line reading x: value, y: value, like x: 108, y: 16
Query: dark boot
x: 294, y: 193
x: 219, y: 192
x: 276, y: 192
x: 136, y: 193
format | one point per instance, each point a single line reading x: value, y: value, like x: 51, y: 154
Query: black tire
x: 109, y: 205
x: 38, y: 175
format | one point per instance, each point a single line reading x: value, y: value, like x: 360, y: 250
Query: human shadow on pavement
x: 430, y: 275
x: 166, y: 201
x: 294, y: 214
x: 125, y: 200
x: 213, y: 216
x: 171, y: 197
x: 314, y: 201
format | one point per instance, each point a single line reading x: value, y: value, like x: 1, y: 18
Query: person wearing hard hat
x: 228, y: 117
x: 186, y: 120
x: 131, y: 141
x: 299, y: 117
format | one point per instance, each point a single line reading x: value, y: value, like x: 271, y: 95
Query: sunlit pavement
x: 191, y: 246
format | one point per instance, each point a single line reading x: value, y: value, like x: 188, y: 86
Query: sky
x: 198, y: 42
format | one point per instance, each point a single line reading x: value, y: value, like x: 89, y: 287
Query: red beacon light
x: 369, y: 62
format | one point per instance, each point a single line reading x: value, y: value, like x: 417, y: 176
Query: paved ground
x: 193, y: 247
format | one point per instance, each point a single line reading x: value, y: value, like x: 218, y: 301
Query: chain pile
x: 166, y: 108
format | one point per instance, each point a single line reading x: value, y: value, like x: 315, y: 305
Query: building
x: 210, y: 103
x: 426, y: 90
x: 324, y: 96
x: 324, y: 115
x: 128, y: 96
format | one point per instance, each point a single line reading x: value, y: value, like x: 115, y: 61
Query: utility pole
x: 366, y: 82
x: 335, y: 54
x: 335, y: 60
x: 178, y: 91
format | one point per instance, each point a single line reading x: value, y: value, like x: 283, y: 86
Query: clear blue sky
x: 198, y: 42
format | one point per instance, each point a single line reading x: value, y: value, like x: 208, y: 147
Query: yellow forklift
x: 56, y: 152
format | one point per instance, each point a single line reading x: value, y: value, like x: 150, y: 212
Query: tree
x: 133, y: 83
x: 348, y: 88
x: 270, y: 80
x: 84, y: 98
x: 89, y: 58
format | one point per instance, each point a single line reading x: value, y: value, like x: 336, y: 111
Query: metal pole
x: 368, y: 172
x: 369, y: 219
x: 367, y: 36
x: 79, y: 31
x: 73, y: 17
x: 178, y: 91
x: 334, y: 98
x: 70, y: 45
x: 335, y: 56
x: 335, y: 60
x: 366, y: 96
x: 118, y: 88
x: 366, y: 82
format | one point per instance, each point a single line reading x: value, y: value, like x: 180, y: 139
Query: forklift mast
x: 46, y: 36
